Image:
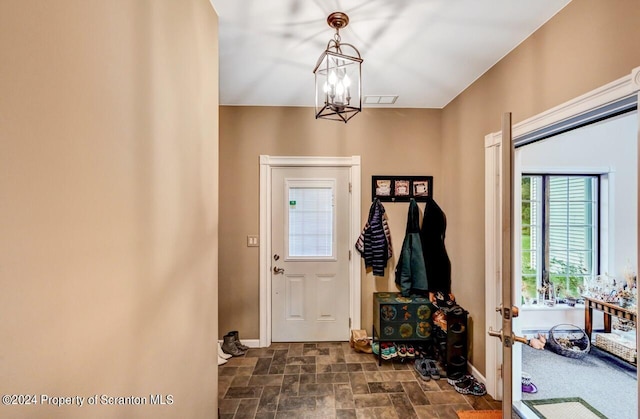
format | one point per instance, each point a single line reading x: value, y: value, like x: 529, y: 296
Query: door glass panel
x: 310, y: 221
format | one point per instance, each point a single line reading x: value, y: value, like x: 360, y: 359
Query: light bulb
x: 332, y: 77
x: 339, y: 89
x: 325, y: 88
x: 346, y: 80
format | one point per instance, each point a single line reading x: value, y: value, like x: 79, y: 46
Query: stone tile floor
x: 330, y: 380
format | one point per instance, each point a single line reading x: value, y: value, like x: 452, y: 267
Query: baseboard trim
x: 477, y: 374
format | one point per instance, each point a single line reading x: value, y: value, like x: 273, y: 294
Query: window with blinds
x: 559, y: 232
x: 310, y: 226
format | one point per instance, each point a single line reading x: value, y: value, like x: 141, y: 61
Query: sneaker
x: 402, y: 350
x: 375, y: 347
x: 527, y: 384
x: 385, y: 351
x: 411, y: 352
x: 421, y: 368
x: 393, y: 352
x: 455, y: 377
x: 433, y: 369
x: 469, y: 385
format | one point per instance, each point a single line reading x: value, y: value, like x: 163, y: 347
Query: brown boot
x: 229, y: 346
x: 359, y: 341
x: 236, y: 336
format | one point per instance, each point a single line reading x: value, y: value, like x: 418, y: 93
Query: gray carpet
x: 601, y: 380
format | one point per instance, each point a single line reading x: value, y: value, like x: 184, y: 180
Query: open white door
x: 507, y: 311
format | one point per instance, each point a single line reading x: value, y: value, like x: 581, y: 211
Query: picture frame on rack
x: 383, y: 187
x: 420, y: 188
x: 402, y: 188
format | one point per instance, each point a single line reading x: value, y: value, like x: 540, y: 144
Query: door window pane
x: 311, y: 221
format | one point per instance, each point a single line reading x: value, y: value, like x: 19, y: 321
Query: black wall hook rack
x: 401, y: 188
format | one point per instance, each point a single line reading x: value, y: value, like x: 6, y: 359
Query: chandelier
x: 338, y: 76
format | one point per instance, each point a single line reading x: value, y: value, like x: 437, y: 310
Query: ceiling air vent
x: 380, y: 99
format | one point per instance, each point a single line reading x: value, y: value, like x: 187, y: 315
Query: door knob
x: 277, y: 270
x: 520, y: 339
x: 495, y: 333
x: 498, y: 334
x: 508, y: 313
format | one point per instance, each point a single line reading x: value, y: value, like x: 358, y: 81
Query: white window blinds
x: 311, y: 221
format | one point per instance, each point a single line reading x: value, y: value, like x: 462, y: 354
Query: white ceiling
x: 425, y: 51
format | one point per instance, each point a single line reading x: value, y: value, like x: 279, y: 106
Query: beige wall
x: 390, y: 142
x: 588, y: 44
x: 109, y: 208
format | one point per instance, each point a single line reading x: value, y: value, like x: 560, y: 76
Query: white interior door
x: 506, y: 284
x: 310, y: 254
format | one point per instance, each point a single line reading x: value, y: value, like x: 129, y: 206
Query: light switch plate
x: 252, y: 241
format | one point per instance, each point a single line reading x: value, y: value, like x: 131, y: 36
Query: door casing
x: 266, y: 164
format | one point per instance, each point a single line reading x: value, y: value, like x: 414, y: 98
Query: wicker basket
x: 617, y: 346
x: 568, y: 340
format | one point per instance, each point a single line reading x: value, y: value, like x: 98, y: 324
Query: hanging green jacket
x: 411, y: 273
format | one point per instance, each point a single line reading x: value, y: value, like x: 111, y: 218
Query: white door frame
x: 267, y: 163
x: 614, y: 91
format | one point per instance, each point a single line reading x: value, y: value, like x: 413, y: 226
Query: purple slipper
x: 527, y: 385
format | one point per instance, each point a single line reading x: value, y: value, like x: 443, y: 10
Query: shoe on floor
x: 433, y: 369
x: 469, y: 385
x: 527, y: 384
x: 229, y: 346
x: 420, y: 365
x: 455, y: 377
x: 239, y: 344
